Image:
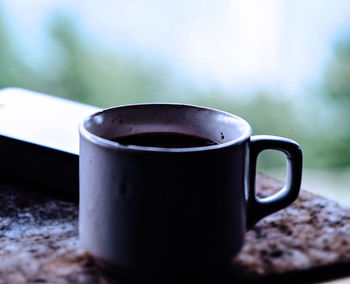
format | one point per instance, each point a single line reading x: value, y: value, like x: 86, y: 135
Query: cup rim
x: 103, y: 142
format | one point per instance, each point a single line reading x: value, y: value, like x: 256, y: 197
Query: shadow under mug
x: 160, y: 211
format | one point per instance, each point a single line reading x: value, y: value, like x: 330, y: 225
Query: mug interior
x: 219, y: 126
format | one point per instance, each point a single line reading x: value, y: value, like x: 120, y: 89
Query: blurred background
x: 284, y: 66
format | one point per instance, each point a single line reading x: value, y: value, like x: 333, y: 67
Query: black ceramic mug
x: 172, y: 210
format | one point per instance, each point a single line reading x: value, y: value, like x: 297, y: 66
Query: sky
x: 229, y: 44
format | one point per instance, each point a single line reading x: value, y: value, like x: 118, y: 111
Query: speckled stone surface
x: 306, y: 242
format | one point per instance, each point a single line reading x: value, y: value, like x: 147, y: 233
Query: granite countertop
x: 306, y: 242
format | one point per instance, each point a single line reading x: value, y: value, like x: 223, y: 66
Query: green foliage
x: 337, y: 76
x: 92, y: 75
x: 80, y: 70
x: 336, y: 94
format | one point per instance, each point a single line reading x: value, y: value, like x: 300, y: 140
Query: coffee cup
x: 168, y: 209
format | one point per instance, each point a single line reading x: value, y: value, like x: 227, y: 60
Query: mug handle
x: 258, y: 208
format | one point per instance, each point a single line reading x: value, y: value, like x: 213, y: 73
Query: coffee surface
x: 164, y: 140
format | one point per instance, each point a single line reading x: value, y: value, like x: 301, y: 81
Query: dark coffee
x: 165, y: 140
